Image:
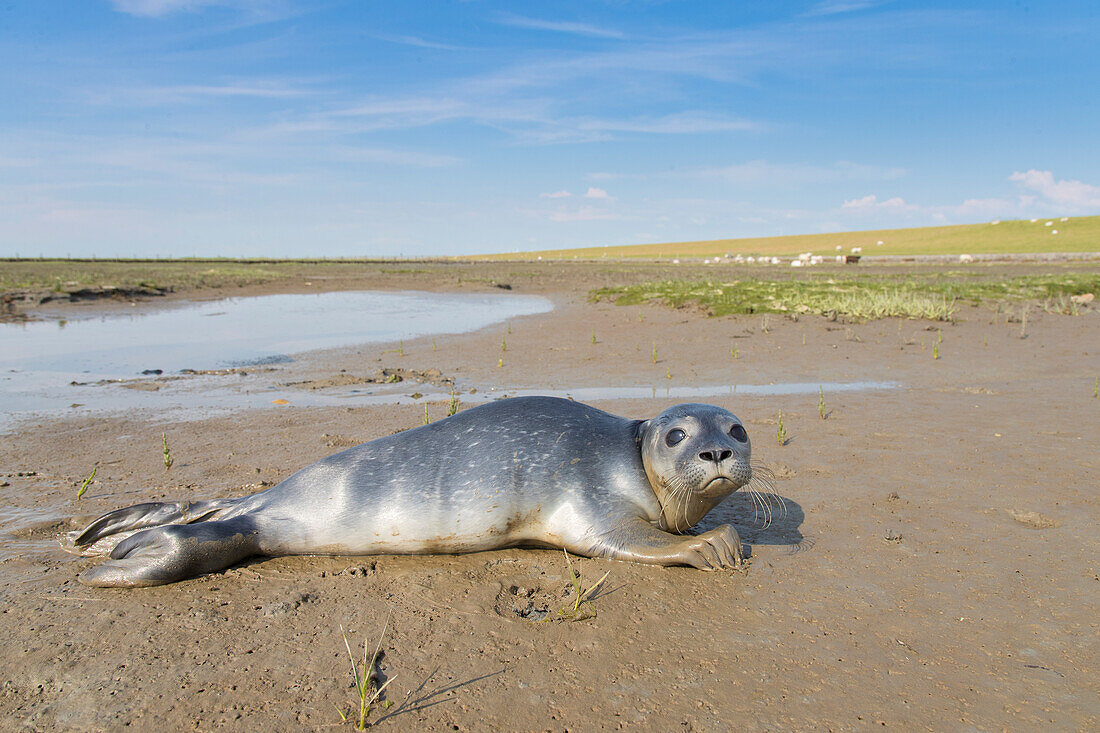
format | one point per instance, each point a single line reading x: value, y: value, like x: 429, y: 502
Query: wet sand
x: 935, y: 568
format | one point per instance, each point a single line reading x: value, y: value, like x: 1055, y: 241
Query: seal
x: 529, y: 471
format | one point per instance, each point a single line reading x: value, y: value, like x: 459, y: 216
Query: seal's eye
x: 675, y: 436
x: 738, y: 433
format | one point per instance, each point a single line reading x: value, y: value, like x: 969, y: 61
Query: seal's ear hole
x: 674, y: 436
x: 737, y: 432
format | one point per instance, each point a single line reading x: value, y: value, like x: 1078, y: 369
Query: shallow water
x: 344, y: 396
x: 39, y: 359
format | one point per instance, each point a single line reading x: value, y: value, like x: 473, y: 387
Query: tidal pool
x: 40, y: 359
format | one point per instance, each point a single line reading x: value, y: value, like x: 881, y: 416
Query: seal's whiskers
x: 762, y: 485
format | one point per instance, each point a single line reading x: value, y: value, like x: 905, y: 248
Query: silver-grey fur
x: 532, y: 471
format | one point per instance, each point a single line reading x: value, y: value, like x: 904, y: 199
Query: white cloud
x: 556, y: 195
x: 871, y: 202
x: 596, y: 193
x: 1073, y: 195
x: 579, y: 29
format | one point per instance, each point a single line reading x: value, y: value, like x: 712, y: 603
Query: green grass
x: 65, y: 275
x: 167, y: 453
x: 1078, y: 234
x: 87, y: 482
x: 581, y: 607
x: 930, y: 297
x: 365, y: 678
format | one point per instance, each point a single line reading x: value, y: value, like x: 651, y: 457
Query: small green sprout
x: 426, y: 418
x: 87, y: 482
x: 654, y: 353
x: 1096, y: 387
x: 452, y: 407
x: 935, y: 351
x: 781, y: 430
x: 504, y: 343
x: 593, y: 336
x: 167, y: 453
x: 500, y: 362
x: 821, y: 410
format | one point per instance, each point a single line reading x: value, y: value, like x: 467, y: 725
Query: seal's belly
x: 408, y: 526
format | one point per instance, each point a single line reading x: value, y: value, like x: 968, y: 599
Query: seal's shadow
x: 750, y: 522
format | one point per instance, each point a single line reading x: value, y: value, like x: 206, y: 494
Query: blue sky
x: 349, y: 127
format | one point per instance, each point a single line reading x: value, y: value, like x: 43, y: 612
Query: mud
x: 934, y: 569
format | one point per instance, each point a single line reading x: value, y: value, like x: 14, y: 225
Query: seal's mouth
x: 719, y: 485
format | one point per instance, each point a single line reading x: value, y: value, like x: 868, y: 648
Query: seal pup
x: 529, y: 471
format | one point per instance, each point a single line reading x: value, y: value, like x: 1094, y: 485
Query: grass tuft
x: 365, y: 677
x: 781, y: 431
x: 581, y: 607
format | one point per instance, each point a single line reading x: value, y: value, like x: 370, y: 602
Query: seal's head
x: 695, y: 456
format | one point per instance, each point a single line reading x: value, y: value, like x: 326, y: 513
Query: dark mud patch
x: 430, y: 376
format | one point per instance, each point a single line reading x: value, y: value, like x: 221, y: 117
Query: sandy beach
x: 935, y: 567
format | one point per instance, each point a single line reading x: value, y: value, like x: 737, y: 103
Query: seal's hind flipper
x: 175, y: 552
x: 152, y: 514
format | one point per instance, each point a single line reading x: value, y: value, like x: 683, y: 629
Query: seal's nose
x: 717, y: 455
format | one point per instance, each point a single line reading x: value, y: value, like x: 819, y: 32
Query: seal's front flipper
x: 640, y: 541
x: 175, y: 552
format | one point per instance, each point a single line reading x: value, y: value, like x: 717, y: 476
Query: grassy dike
x: 1076, y: 234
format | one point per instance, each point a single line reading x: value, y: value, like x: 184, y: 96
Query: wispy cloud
x: 188, y: 93
x: 247, y: 12
x: 527, y: 120
x: 556, y: 195
x: 162, y: 8
x: 835, y: 7
x: 596, y: 193
x: 158, y: 8
x: 394, y: 157
x: 556, y: 26
x: 421, y: 43
x: 757, y: 173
